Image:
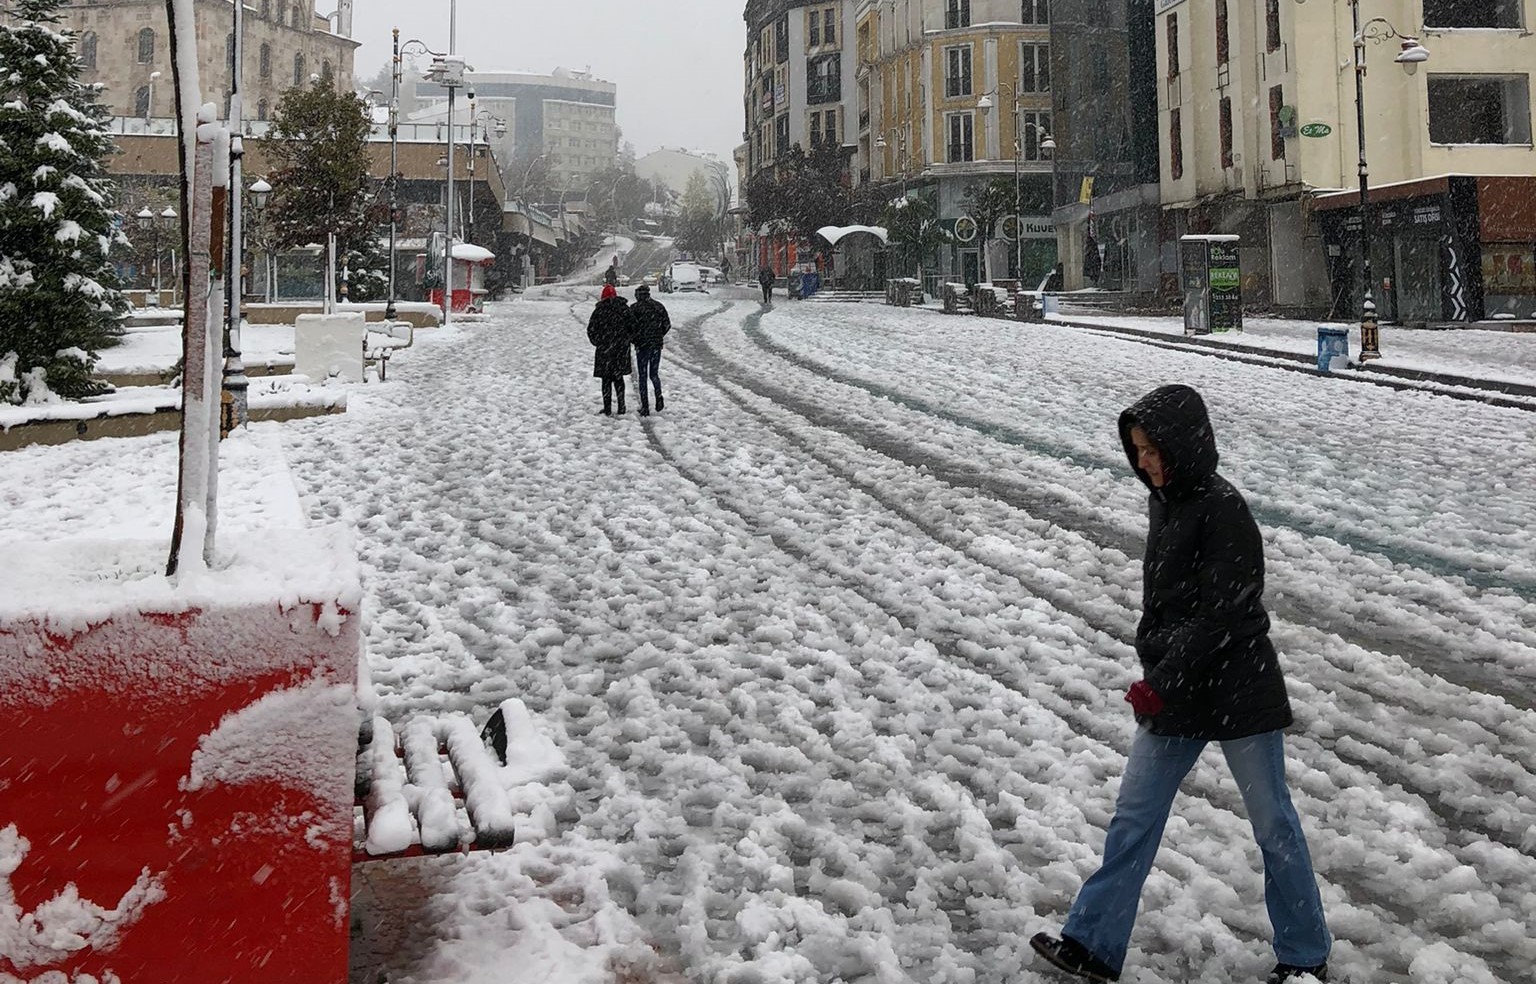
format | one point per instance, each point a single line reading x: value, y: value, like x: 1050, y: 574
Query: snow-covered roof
x: 470, y: 253
x: 835, y: 234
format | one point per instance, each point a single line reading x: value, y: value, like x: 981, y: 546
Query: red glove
x: 1144, y: 699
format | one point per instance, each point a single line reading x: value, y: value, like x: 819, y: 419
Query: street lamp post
x: 149, y: 103
x: 154, y: 225
x: 475, y: 133
x: 1410, y: 56
x: 1046, y: 145
x: 261, y: 191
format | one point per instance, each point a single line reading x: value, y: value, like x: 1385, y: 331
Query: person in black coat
x: 611, y: 332
x: 650, y: 323
x: 1210, y: 674
x: 765, y: 280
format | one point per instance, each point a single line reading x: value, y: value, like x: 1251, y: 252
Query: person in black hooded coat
x: 610, y: 329
x: 1210, y: 674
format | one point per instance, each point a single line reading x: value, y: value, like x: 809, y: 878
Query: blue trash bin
x: 1332, y: 342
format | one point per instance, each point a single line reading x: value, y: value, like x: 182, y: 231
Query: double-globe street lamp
x: 156, y: 226
x: 1411, y: 55
x: 1046, y: 143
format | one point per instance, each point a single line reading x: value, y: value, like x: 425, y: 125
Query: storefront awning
x: 836, y: 234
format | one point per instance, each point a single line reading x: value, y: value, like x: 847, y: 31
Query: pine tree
x: 59, y: 297
x: 318, y: 146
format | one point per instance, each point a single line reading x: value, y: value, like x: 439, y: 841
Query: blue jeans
x: 649, y: 360
x: 1105, y: 910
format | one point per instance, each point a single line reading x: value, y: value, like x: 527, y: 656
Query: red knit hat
x: 608, y: 291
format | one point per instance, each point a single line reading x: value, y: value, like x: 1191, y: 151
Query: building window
x: 261, y: 110
x: 1035, y: 68
x: 1173, y: 45
x: 781, y: 135
x: 957, y: 70
x: 327, y: 72
x: 1035, y: 12
x: 829, y: 26
x: 298, y: 69
x: 1226, y: 131
x: 1223, y: 39
x: 824, y: 79
x: 823, y: 128
x: 264, y: 62
x: 1175, y: 145
x: 146, y: 47
x: 1472, y: 13
x: 813, y: 28
x: 229, y: 55
x: 88, y: 50
x: 298, y: 17
x: 1036, y: 127
x: 1479, y: 109
x: 962, y: 144
x: 1276, y: 123
x: 957, y: 13
x: 1271, y: 25
x: 141, y: 102
x: 266, y: 9
x: 781, y: 39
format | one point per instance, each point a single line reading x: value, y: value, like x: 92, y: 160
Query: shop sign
x: 1316, y: 130
x: 1035, y: 227
x: 1509, y: 268
x: 965, y: 229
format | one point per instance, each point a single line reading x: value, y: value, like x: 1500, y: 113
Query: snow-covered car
x: 649, y: 280
x: 623, y: 280
x: 687, y: 276
x: 712, y: 275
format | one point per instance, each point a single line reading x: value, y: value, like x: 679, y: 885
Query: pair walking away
x: 1210, y: 674
x: 610, y: 331
x: 613, y: 329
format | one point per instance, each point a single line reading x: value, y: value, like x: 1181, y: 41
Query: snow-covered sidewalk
x: 834, y: 647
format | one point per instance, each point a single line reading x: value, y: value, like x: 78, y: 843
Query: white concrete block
x: 329, y: 345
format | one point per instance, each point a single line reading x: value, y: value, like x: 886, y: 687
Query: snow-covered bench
x: 441, y: 786
x: 382, y: 340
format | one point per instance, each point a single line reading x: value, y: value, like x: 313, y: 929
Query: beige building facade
x: 123, y: 43
x: 1259, y: 132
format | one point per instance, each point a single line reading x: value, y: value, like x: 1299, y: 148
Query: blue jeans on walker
x: 1105, y: 910
x: 648, y: 362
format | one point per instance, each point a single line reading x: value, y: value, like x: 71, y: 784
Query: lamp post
x: 149, y: 103
x: 261, y: 191
x: 155, y: 226
x: 1046, y: 145
x: 1410, y: 56
x: 491, y: 122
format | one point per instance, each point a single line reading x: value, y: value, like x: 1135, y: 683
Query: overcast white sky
x: 677, y: 62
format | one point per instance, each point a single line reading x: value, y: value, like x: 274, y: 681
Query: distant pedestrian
x: 649, y: 324
x: 765, y: 280
x: 1093, y: 261
x: 1210, y: 674
x: 611, y: 332
x: 611, y: 278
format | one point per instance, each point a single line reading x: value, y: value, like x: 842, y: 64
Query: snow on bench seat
x: 442, y: 786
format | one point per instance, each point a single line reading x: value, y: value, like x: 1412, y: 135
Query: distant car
x: 712, y: 275
x: 623, y: 280
x: 645, y: 237
x: 649, y: 280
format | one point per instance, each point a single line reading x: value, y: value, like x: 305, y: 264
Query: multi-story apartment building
x: 569, y: 118
x: 1258, y: 115
x: 798, y: 71
x: 957, y: 93
x: 124, y: 44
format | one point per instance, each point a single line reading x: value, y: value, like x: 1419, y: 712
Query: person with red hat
x: 611, y: 332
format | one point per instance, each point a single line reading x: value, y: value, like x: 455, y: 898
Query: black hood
x: 1174, y: 418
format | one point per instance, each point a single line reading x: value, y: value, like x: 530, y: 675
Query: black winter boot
x: 1065, y: 953
x: 660, y: 403
x: 1286, y: 972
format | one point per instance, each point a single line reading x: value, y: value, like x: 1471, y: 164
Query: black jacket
x: 651, y: 323
x: 1204, y: 634
x: 765, y: 277
x: 611, y: 330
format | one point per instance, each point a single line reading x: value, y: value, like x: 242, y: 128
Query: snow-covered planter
x: 178, y: 777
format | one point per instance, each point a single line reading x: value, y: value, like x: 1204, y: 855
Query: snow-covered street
x: 836, y: 647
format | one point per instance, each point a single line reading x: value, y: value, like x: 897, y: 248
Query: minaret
x: 344, y: 18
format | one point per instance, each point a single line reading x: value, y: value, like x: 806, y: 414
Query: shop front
x: 1445, y: 250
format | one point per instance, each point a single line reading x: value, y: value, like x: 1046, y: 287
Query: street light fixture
x: 1047, y: 146
x: 1411, y: 54
x: 155, y: 226
x: 261, y: 192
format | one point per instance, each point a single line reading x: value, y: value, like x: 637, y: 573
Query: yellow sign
x: 1085, y: 196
